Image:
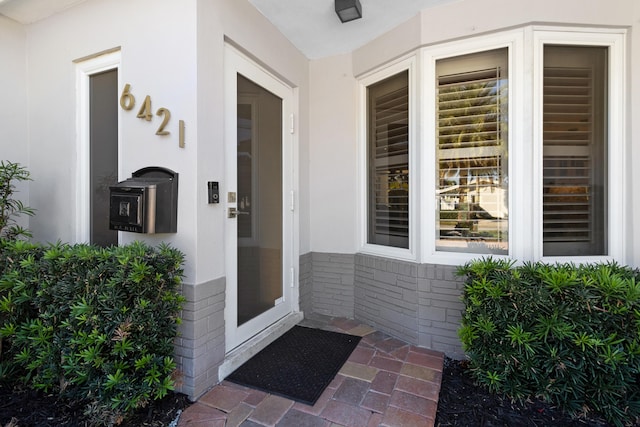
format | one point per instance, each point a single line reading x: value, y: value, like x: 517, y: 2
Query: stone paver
x: 357, y: 370
x: 410, y: 402
x: 421, y: 372
x: 425, y: 360
x: 362, y: 355
x: 376, y: 402
x: 352, y: 391
x: 396, y: 417
x: 386, y: 364
x: 295, y: 418
x: 224, y: 398
x: 200, y: 414
x: 239, y: 414
x: 346, y: 415
x: 418, y: 387
x: 271, y: 410
x: 385, y: 383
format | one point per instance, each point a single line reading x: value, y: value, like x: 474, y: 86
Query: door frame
x: 238, y: 63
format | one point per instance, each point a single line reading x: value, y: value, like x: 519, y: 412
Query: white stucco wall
x: 467, y: 18
x: 13, y: 112
x: 13, y: 107
x: 157, y: 60
x: 172, y: 51
x: 242, y: 25
x: 332, y: 165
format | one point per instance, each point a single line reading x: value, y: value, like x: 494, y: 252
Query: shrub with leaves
x: 10, y: 207
x: 93, y: 324
x: 566, y: 333
x: 19, y: 282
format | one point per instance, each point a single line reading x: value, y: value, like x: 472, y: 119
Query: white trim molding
x: 614, y: 41
x: 405, y: 64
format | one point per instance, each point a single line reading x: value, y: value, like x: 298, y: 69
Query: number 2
x: 166, y: 116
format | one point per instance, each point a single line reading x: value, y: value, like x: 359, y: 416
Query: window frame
x: 513, y: 41
x: 407, y: 64
x: 614, y: 41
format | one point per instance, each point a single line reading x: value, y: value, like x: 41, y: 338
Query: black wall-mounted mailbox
x: 145, y: 203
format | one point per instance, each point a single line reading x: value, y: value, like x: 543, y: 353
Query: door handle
x: 234, y: 212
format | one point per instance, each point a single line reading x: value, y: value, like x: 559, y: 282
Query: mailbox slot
x: 145, y: 203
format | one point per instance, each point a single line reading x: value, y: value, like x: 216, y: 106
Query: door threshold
x: 245, y: 351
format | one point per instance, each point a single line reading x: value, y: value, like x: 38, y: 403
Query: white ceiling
x: 314, y: 28
x: 311, y: 25
x: 28, y: 11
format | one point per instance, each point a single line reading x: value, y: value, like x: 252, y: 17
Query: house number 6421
x: 128, y: 101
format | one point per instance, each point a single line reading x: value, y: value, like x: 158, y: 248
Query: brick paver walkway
x: 385, y: 382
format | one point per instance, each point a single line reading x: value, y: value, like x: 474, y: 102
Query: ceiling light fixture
x: 348, y: 10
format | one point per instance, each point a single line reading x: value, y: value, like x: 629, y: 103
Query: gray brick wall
x: 386, y: 296
x: 199, y: 348
x: 333, y: 291
x: 418, y: 303
x: 326, y: 284
x: 305, y: 281
x: 440, y: 309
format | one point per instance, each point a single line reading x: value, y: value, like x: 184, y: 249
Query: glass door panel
x: 259, y: 200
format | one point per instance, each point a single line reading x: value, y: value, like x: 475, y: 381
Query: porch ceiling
x: 28, y: 11
x: 314, y: 28
x: 311, y: 25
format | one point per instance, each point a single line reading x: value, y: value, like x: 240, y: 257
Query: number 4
x: 145, y: 110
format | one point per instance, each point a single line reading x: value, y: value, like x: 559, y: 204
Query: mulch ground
x: 461, y: 403
x: 34, y: 409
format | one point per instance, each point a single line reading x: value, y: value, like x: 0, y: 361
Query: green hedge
x: 569, y: 334
x: 92, y: 324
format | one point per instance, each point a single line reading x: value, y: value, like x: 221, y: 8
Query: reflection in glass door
x: 259, y: 200
x: 103, y: 152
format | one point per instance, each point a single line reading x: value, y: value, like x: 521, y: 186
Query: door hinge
x: 292, y: 123
x: 292, y: 201
x: 292, y: 272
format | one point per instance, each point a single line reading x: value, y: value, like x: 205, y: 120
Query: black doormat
x: 299, y: 365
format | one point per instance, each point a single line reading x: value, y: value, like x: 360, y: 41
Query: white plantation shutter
x: 471, y: 153
x: 574, y: 165
x: 388, y: 124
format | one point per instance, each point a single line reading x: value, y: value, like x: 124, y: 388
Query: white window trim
x: 84, y: 70
x: 405, y: 64
x: 514, y: 41
x: 614, y: 40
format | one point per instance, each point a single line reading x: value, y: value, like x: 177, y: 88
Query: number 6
x: 127, y: 100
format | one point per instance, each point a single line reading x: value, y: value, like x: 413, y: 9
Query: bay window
x: 520, y: 149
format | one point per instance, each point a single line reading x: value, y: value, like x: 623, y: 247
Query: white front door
x: 258, y: 199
